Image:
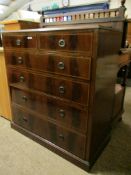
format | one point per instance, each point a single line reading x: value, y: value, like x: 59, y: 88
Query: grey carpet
x: 21, y: 156
x: 128, y: 82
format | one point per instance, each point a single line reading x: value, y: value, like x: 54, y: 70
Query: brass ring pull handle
x: 25, y: 119
x: 61, y: 65
x: 21, y: 78
x: 123, y: 70
x: 24, y: 98
x: 18, y: 42
x: 62, y: 113
x: 62, y: 89
x: 61, y: 136
x: 62, y: 43
x: 20, y: 60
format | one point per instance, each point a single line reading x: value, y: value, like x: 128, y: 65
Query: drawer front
x: 64, y: 65
x: 20, y: 41
x: 75, y: 91
x: 73, y: 41
x: 63, y: 138
x: 52, y: 109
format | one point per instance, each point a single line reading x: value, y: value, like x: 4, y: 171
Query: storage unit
x: 19, y: 24
x: 5, y: 108
x: 62, y: 82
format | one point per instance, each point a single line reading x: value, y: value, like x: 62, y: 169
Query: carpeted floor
x: 128, y: 82
x: 21, y: 156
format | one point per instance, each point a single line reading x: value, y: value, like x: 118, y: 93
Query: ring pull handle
x: 62, y: 113
x: 123, y: 70
x: 61, y: 136
x: 62, y: 43
x: 25, y: 119
x: 20, y: 60
x: 24, y: 98
x: 18, y: 42
x: 61, y: 65
x: 61, y: 89
x: 21, y: 78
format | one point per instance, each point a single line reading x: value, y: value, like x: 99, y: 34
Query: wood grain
x: 50, y: 109
x: 55, y: 86
x: 57, y: 135
x: 5, y: 109
x: 73, y: 66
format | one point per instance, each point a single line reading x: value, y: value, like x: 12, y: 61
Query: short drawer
x: 59, y: 136
x: 69, y: 41
x: 55, y: 86
x: 20, y: 41
x: 74, y: 66
x: 53, y: 109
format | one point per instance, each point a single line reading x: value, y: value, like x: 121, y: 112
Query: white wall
x: 78, y: 2
x: 39, y: 4
x: 128, y: 6
x: 116, y: 4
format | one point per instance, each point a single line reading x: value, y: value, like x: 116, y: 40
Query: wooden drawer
x: 69, y: 41
x: 52, y: 109
x: 20, y: 41
x: 65, y: 65
x: 65, y: 139
x: 63, y: 88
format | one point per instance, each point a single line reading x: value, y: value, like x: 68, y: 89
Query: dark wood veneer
x: 62, y: 88
x: 73, y: 41
x: 71, y: 106
x: 20, y: 41
x: 66, y: 115
x: 62, y: 152
x: 74, y: 66
x: 57, y: 135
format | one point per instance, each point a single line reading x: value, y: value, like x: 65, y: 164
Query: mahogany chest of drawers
x: 61, y: 84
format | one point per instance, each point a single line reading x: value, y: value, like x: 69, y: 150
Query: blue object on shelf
x: 97, y: 6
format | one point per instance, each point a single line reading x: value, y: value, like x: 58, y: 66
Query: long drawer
x: 67, y: 41
x: 20, y: 41
x: 63, y: 88
x: 49, y: 108
x: 61, y: 137
x: 75, y: 66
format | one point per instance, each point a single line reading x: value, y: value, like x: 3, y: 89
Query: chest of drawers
x: 62, y: 87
